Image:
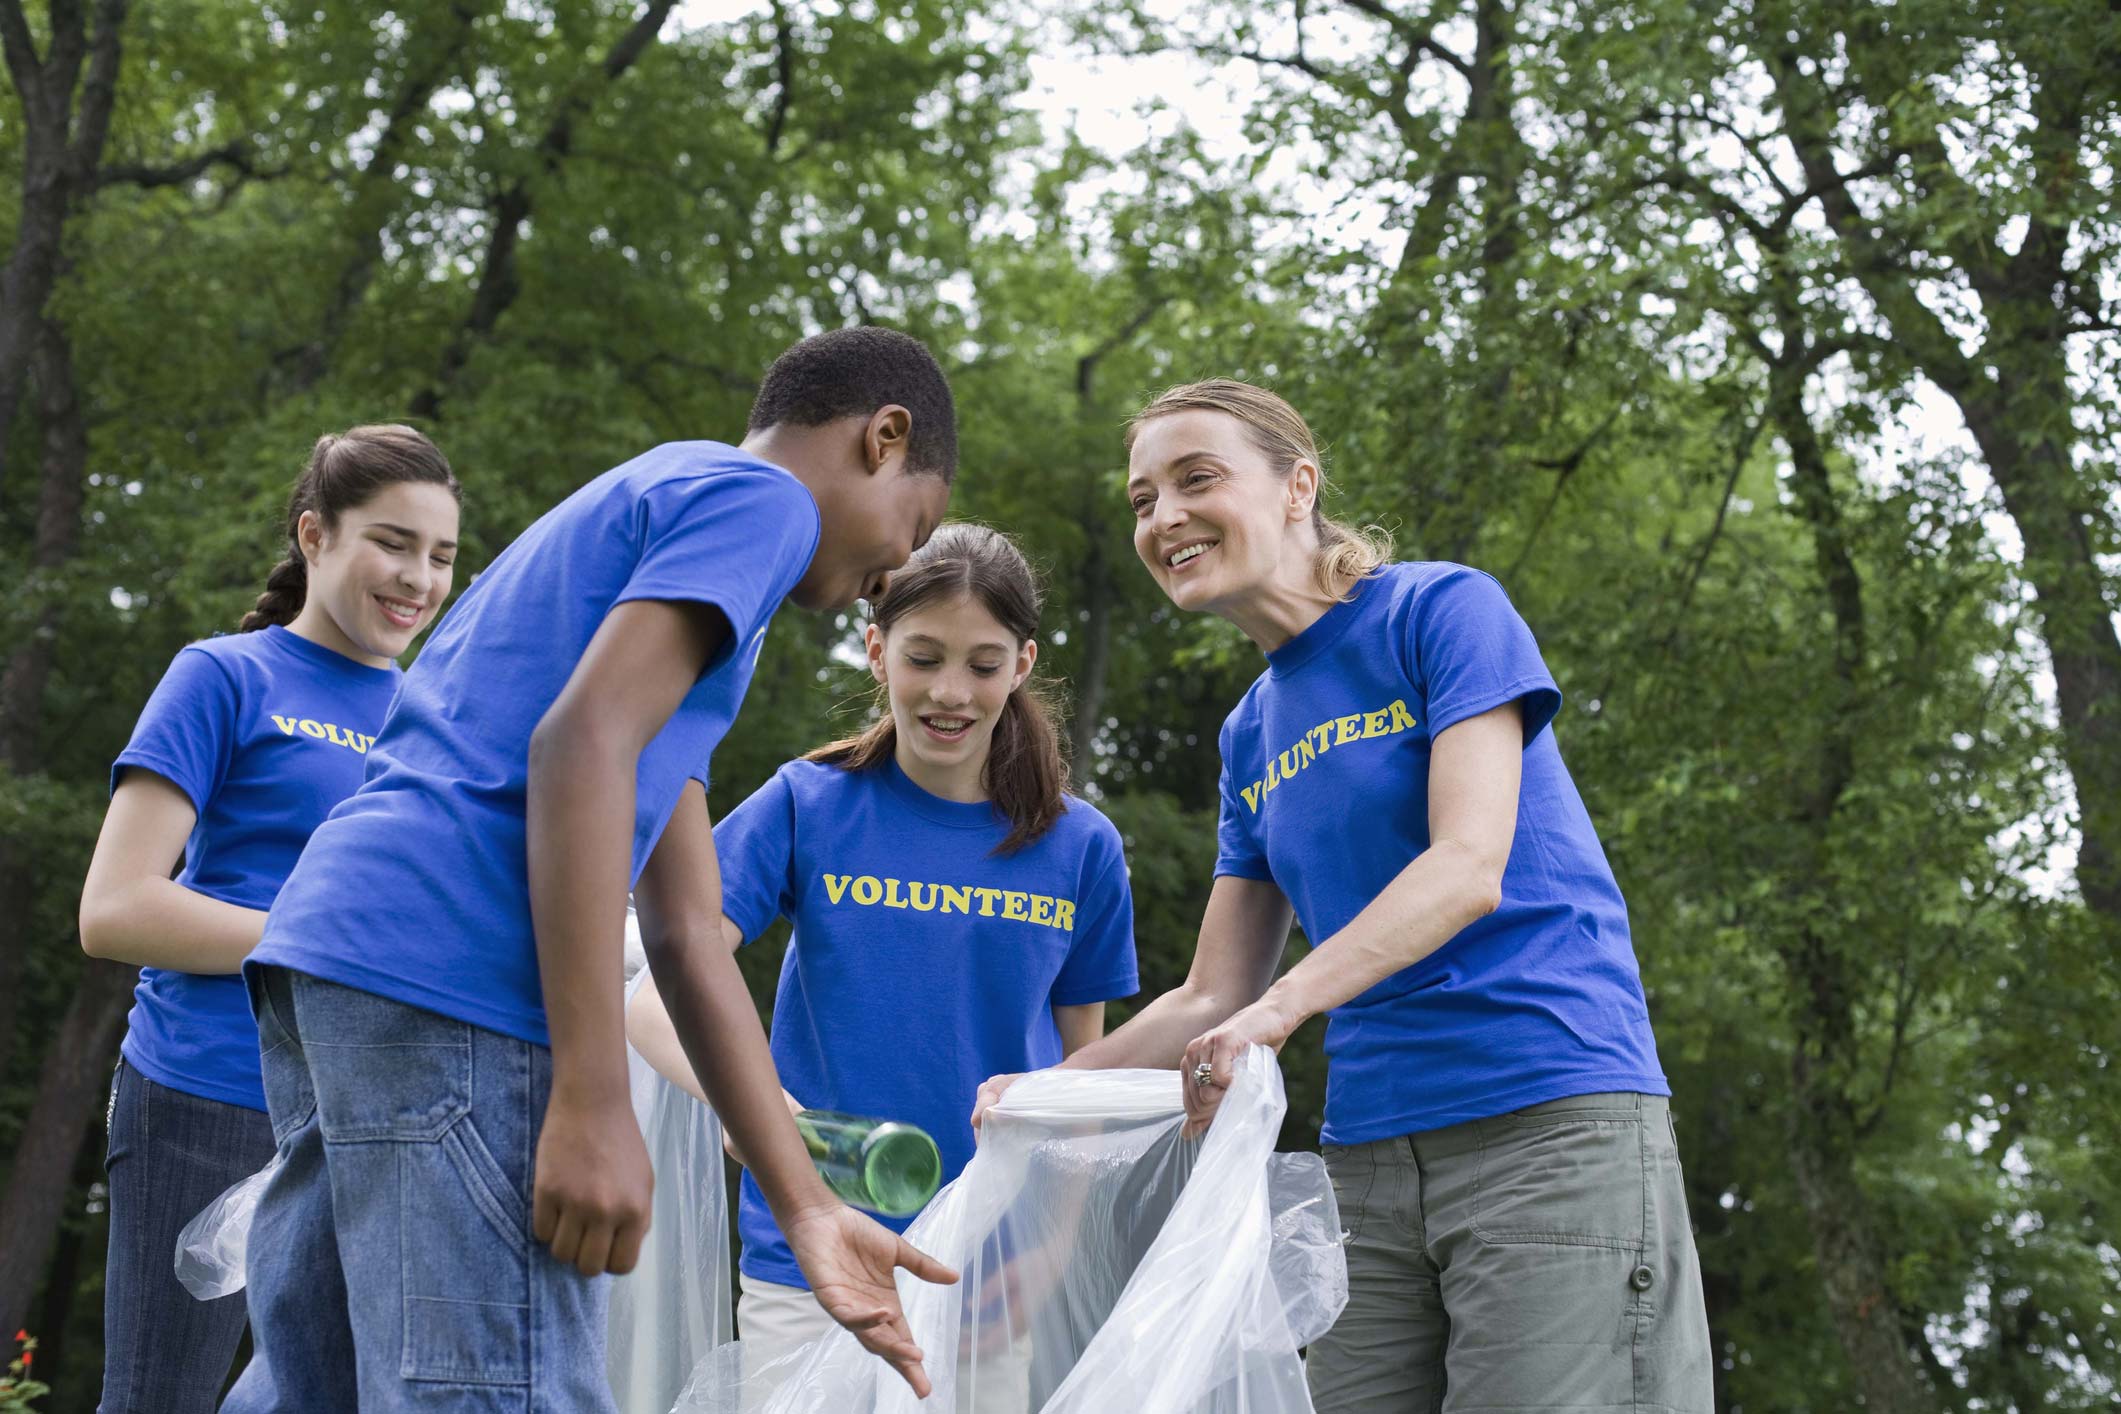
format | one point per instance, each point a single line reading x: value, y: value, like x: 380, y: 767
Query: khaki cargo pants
x: 1537, y: 1260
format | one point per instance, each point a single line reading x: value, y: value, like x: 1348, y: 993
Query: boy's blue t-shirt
x: 265, y: 732
x: 921, y: 962
x: 417, y: 888
x: 1325, y: 792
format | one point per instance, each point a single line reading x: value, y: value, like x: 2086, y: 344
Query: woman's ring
x: 1204, y: 1074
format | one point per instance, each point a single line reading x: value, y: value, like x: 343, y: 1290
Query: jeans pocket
x: 1569, y: 1173
x: 465, y: 1239
x: 396, y: 1074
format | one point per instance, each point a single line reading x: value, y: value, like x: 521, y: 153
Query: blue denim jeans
x: 170, y: 1155
x: 391, y: 1262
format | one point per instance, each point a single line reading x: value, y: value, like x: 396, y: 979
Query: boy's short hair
x: 853, y: 372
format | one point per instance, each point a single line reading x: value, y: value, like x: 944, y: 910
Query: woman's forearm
x: 154, y: 922
x: 1158, y: 1033
x: 1445, y: 888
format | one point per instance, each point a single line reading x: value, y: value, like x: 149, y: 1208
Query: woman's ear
x: 1026, y: 659
x: 1302, y: 490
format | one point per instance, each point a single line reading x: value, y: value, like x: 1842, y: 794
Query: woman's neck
x: 1273, y: 613
x: 320, y: 628
x: 965, y: 782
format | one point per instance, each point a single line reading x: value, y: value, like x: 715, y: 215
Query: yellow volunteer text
x: 1337, y: 731
x: 868, y: 891
x: 325, y: 731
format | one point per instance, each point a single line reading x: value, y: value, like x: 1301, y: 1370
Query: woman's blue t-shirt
x: 265, y: 732
x: 922, y: 962
x: 1325, y: 792
x: 418, y: 888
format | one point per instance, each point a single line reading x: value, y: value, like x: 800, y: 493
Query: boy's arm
x: 592, y: 1183
x: 848, y: 1259
x: 649, y: 1029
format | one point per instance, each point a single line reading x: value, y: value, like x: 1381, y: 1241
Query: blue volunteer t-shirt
x: 265, y: 732
x: 417, y: 888
x: 1325, y: 791
x: 922, y: 962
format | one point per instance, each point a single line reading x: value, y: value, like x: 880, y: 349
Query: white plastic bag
x: 1107, y: 1264
x: 673, y: 1308
x: 211, y: 1248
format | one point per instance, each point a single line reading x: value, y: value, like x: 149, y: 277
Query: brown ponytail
x: 344, y: 470
x: 1026, y: 775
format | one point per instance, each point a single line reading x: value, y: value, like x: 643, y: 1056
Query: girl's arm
x: 1475, y: 770
x: 1242, y: 937
x: 132, y: 910
x: 1079, y: 1025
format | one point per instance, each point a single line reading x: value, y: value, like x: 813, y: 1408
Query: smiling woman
x: 1496, y: 1125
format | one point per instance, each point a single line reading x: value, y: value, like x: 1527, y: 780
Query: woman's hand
x: 850, y: 1262
x: 990, y: 1091
x: 1260, y: 1024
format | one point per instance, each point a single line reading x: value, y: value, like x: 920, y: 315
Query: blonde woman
x: 1496, y: 1123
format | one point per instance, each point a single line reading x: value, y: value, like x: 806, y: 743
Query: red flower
x: 27, y: 1357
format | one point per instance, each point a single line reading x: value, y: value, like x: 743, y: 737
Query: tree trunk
x: 1824, y: 1127
x: 69, y: 1097
x: 62, y: 1283
x: 61, y: 148
x: 2014, y: 395
x: 62, y: 470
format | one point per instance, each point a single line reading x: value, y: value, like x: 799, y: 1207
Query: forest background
x: 1766, y: 351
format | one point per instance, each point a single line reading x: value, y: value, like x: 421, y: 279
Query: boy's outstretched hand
x: 851, y: 1262
x: 591, y: 1186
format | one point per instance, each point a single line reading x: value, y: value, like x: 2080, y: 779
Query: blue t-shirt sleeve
x: 737, y: 539
x: 1237, y: 850
x: 1101, y: 965
x: 187, y: 731
x: 1471, y: 652
x: 755, y: 848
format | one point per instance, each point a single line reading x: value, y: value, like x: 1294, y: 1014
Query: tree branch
x: 1420, y: 38
x: 98, y: 94
x: 1086, y: 366
x: 784, y: 72
x: 24, y: 64
x: 236, y: 154
x: 498, y: 286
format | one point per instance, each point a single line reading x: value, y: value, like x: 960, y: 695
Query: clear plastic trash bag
x: 674, y: 1307
x: 1107, y: 1264
x: 210, y: 1249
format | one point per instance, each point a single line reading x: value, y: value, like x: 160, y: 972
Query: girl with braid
x: 246, y: 745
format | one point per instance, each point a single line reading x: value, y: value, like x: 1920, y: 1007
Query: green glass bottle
x: 878, y: 1164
